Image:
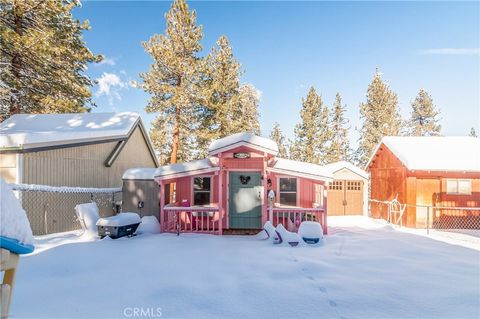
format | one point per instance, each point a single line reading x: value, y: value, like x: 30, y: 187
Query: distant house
x: 348, y: 192
x: 229, y: 190
x: 426, y: 171
x: 80, y: 150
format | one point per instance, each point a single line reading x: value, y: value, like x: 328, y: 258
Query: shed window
x: 201, y: 190
x: 288, y: 191
x: 459, y: 186
x: 319, y: 194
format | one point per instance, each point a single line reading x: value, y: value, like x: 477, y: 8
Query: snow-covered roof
x: 335, y: 167
x: 435, y: 153
x: 27, y: 131
x: 140, y: 173
x: 243, y: 139
x: 205, y: 165
x: 307, y: 170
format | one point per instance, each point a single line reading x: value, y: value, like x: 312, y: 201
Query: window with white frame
x: 288, y: 191
x: 459, y: 186
x: 318, y: 194
x: 201, y: 190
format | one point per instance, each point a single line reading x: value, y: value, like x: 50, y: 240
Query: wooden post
x: 325, y: 227
x: 162, y: 205
x: 220, y: 195
x: 264, y: 198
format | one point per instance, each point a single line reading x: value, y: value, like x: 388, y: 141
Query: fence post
x: 45, y: 220
x: 428, y: 220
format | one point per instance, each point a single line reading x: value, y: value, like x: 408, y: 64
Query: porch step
x: 241, y: 231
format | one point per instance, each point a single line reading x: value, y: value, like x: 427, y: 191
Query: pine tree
x: 43, y: 58
x: 380, y: 115
x: 277, y: 136
x: 473, y: 133
x: 175, y: 80
x: 424, y: 116
x: 245, y: 114
x: 312, y: 134
x: 222, y: 93
x: 339, y: 148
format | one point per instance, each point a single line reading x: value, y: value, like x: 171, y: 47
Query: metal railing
x: 51, y: 209
x: 446, y: 218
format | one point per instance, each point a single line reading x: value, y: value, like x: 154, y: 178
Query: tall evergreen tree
x: 380, y: 115
x: 222, y: 93
x: 246, y: 114
x: 312, y: 134
x: 339, y: 148
x: 424, y: 116
x: 175, y: 81
x: 473, y: 133
x: 277, y: 136
x: 43, y: 58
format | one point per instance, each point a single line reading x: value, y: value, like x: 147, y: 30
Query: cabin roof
x: 434, y: 153
x: 302, y: 169
x: 205, y: 165
x: 26, y: 131
x: 243, y: 139
x: 337, y: 166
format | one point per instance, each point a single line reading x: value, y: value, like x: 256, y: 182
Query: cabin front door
x: 245, y: 203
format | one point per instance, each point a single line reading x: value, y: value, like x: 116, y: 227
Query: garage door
x: 345, y: 197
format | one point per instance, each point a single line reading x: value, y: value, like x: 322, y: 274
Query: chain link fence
x: 442, y: 218
x: 52, y: 209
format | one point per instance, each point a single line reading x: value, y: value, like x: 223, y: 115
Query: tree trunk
x: 176, y: 136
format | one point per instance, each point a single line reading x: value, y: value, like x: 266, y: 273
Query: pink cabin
x: 240, y: 186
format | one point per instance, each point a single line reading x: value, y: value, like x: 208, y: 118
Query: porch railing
x: 292, y: 217
x: 192, y: 220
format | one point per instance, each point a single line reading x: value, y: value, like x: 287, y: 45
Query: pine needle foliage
x: 380, y: 115
x: 424, y: 119
x: 43, y: 58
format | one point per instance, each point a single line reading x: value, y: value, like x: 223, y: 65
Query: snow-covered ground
x: 364, y: 269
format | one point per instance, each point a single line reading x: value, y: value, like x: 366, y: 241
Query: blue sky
x: 285, y: 47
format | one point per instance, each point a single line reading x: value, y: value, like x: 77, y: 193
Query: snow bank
x: 362, y: 272
x: 122, y: 219
x: 13, y: 219
x: 88, y: 216
x: 149, y: 225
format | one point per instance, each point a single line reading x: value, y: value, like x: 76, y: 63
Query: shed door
x: 427, y: 192
x: 245, y: 206
x: 345, y: 197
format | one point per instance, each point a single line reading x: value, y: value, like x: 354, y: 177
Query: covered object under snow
x: 427, y: 172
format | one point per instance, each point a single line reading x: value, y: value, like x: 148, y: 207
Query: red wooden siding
x: 389, y: 177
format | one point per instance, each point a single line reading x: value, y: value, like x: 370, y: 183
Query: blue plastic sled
x: 15, y: 246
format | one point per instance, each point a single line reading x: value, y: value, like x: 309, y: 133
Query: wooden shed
x: 426, y: 171
x: 140, y: 192
x: 348, y: 192
x: 77, y: 150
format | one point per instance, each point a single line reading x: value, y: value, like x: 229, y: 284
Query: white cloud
x: 109, y: 85
x: 108, y: 61
x: 452, y: 51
